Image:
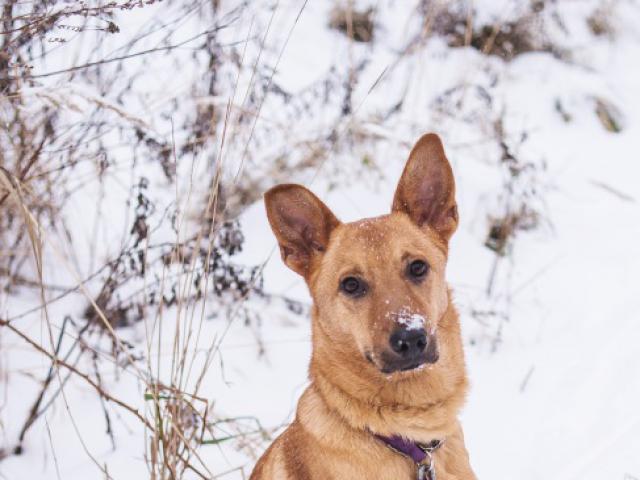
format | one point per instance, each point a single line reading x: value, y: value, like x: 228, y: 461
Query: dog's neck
x: 421, y: 405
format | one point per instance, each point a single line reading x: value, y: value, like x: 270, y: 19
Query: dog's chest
x: 379, y: 464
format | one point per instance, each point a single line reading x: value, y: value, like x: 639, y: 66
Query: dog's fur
x: 350, y: 397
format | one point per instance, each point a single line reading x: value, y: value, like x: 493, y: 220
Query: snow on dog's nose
x: 410, y: 320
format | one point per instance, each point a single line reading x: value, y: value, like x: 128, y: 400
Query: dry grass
x: 58, y: 140
x: 41, y: 151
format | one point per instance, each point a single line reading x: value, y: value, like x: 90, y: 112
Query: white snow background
x: 553, y: 351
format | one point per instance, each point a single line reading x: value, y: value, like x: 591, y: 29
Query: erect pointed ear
x: 426, y: 190
x: 301, y: 223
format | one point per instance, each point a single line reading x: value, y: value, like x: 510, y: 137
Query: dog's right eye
x: 353, y: 286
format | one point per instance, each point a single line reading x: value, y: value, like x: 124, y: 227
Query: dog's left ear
x: 426, y: 190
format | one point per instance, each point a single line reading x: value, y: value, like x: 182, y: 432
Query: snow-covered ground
x: 551, y: 329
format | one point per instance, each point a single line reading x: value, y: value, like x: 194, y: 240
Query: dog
x: 387, y: 373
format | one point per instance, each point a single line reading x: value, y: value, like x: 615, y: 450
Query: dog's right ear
x: 301, y: 223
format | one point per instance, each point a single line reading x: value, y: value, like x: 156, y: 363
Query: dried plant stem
x: 80, y: 374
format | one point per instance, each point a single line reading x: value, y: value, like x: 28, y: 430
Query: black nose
x: 408, y: 342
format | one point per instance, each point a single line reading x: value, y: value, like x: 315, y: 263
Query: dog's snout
x: 408, y: 342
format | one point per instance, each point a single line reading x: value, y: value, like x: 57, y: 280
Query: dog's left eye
x: 417, y: 269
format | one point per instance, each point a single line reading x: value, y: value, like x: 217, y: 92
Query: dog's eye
x: 352, y: 286
x: 417, y: 269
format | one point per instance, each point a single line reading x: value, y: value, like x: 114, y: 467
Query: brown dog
x: 387, y: 370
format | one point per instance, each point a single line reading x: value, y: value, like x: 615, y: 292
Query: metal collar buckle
x: 427, y: 469
x: 426, y: 472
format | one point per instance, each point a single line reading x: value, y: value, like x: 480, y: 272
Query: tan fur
x: 350, y: 398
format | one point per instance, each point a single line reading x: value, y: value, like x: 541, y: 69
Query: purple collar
x: 415, y: 451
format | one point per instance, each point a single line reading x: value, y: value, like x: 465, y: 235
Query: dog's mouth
x: 391, y: 363
x: 406, y: 368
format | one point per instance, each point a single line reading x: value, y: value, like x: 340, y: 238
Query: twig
x: 82, y: 375
x: 125, y: 57
x: 33, y: 412
x: 107, y: 418
x: 615, y: 192
x: 526, y: 379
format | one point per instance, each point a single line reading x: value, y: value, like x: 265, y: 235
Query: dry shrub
x: 47, y: 134
x: 503, y: 229
x: 180, y: 422
x: 562, y: 111
x: 504, y: 39
x: 39, y: 195
x: 520, y: 199
x: 355, y: 24
x: 601, y: 21
x: 185, y: 423
x: 44, y: 134
x: 609, y: 115
x: 125, y: 295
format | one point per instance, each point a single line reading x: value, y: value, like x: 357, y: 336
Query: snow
x: 411, y: 320
x: 552, y: 352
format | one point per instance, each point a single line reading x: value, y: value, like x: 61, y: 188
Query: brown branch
x: 124, y: 57
x: 82, y: 375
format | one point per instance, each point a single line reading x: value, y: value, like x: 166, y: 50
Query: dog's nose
x: 408, y: 342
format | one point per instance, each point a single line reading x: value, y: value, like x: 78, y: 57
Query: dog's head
x: 378, y: 284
